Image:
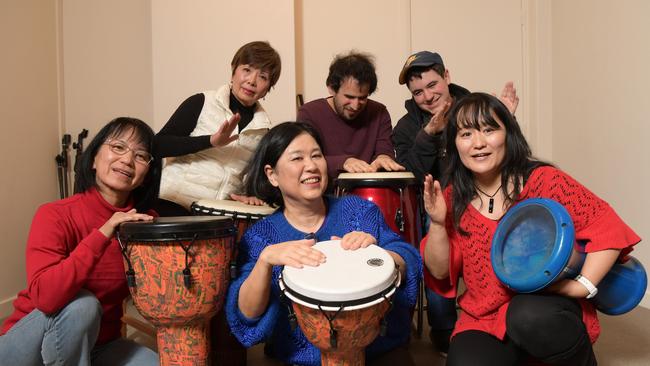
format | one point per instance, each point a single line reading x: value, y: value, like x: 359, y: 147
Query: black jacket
x: 416, y: 150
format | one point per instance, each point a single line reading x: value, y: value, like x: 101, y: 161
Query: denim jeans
x: 441, y: 311
x: 68, y: 338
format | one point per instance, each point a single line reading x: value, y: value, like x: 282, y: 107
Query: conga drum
x: 340, y: 305
x: 177, y: 271
x: 396, y: 194
x: 534, y: 246
x: 225, y: 348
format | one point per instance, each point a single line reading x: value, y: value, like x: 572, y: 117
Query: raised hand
x: 438, y: 120
x: 223, y: 135
x: 509, y: 97
x: 434, y: 202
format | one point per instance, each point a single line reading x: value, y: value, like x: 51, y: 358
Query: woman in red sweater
x: 491, y: 170
x: 70, y: 312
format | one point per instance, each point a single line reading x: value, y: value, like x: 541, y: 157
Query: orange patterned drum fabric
x: 177, y: 269
x: 340, y: 305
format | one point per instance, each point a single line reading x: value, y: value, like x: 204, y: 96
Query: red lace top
x: 486, y: 300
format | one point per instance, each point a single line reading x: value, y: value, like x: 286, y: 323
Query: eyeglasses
x: 120, y: 147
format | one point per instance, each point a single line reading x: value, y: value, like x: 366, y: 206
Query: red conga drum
x: 177, y: 270
x: 341, y: 303
x: 226, y: 349
x: 396, y: 194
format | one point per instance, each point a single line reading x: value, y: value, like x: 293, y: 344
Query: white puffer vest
x: 213, y: 173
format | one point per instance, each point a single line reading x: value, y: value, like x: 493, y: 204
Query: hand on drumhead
x: 568, y: 288
x: 223, y: 135
x: 249, y: 200
x: 354, y: 165
x: 108, y: 229
x: 355, y: 240
x: 434, y: 202
x: 295, y: 253
x: 385, y: 162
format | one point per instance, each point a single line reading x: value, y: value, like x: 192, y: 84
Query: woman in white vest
x: 211, y: 136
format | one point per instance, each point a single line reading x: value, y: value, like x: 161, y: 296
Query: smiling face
x: 430, y: 91
x: 350, y: 100
x: 116, y: 175
x: 482, y: 150
x: 301, y: 171
x: 249, y: 84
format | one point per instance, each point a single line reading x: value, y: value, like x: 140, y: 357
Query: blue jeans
x: 68, y: 338
x: 441, y: 311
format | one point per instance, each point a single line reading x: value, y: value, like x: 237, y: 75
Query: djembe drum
x: 226, y: 349
x: 340, y: 305
x: 395, y: 193
x: 177, y: 271
x: 534, y: 246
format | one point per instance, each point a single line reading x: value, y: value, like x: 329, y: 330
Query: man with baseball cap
x: 420, y: 147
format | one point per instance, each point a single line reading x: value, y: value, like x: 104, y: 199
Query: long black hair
x: 145, y: 195
x: 475, y: 111
x: 268, y: 152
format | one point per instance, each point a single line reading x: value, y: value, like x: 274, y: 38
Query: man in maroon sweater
x: 355, y: 130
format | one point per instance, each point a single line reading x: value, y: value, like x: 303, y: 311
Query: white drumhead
x: 377, y: 175
x: 207, y: 206
x: 346, y: 276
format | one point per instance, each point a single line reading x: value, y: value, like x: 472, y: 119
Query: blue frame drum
x: 534, y: 246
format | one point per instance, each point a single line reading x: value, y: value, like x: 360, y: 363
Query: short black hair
x: 416, y: 71
x: 147, y: 193
x: 356, y: 65
x: 268, y: 152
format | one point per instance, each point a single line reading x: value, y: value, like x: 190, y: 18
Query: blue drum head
x: 532, y: 244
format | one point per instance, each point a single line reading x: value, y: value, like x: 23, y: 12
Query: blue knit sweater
x: 344, y: 215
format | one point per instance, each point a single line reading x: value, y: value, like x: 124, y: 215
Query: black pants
x: 546, y: 327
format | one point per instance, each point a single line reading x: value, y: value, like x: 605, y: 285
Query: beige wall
x: 30, y: 138
x: 600, y: 97
x: 380, y: 28
x: 106, y: 63
x: 193, y: 44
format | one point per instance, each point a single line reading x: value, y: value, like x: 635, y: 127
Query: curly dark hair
x: 357, y: 65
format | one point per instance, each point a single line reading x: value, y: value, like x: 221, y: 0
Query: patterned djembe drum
x: 178, y: 273
x: 341, y: 304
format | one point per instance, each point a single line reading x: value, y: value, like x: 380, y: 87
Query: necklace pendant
x: 491, y: 205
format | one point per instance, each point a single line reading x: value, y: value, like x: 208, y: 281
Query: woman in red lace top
x: 490, y: 170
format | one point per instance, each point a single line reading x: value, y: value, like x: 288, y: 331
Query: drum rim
x: 558, y: 258
x: 346, y: 305
x: 196, y: 206
x: 176, y: 228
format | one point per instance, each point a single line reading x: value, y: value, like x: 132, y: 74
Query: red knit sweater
x: 65, y: 253
x: 486, y: 300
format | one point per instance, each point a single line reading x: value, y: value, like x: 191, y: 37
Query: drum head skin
x: 532, y: 244
x: 353, y: 279
x: 379, y: 179
x: 235, y: 209
x: 176, y: 228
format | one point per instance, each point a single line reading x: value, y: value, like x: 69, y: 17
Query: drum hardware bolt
x: 130, y: 277
x: 130, y: 273
x: 187, y: 278
x: 187, y: 274
x: 383, y: 328
x: 233, y: 269
x: 333, y: 340
x: 293, y: 321
x: 547, y: 273
x: 333, y: 332
x: 399, y: 220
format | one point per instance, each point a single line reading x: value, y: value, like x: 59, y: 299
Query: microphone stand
x: 62, y: 166
x: 78, y: 146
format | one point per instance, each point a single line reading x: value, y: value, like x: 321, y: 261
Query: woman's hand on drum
x: 434, y: 202
x: 295, y: 253
x: 568, y: 288
x: 386, y: 163
x: 223, y: 135
x: 249, y: 200
x: 108, y: 229
x: 355, y: 240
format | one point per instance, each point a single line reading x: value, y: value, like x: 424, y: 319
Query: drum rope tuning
x: 130, y: 273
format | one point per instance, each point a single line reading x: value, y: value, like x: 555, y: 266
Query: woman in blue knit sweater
x: 288, y: 170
